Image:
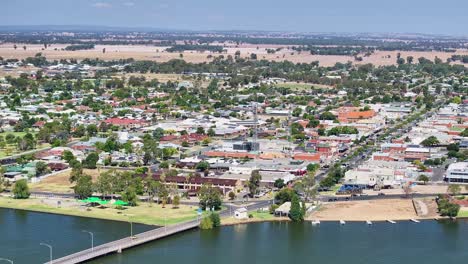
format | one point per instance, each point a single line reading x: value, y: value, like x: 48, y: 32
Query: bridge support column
x: 119, y: 250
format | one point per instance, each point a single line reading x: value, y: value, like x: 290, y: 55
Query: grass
x: 257, y: 216
x: 462, y: 213
x: 143, y: 213
x: 60, y: 183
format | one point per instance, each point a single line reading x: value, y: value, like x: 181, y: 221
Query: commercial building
x: 457, y: 172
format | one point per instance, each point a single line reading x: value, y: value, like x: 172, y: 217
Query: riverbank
x: 257, y: 217
x: 144, y: 213
x: 369, y: 210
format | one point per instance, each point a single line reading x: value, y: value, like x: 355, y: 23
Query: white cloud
x: 101, y: 5
x: 129, y: 4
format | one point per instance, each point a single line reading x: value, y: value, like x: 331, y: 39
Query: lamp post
x: 8, y: 260
x: 50, y: 249
x: 131, y: 225
x: 92, y: 238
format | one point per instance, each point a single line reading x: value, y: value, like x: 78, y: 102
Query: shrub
x: 21, y: 190
x: 206, y: 223
x: 272, y: 208
x: 215, y: 219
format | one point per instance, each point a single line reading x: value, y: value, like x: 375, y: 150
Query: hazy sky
x: 412, y: 16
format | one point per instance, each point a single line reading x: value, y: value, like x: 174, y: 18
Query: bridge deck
x: 124, y: 243
x: 128, y: 242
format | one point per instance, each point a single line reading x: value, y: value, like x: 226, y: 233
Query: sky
x: 448, y: 17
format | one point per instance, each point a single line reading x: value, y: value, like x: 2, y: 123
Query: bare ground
x: 373, y: 210
x: 141, y: 52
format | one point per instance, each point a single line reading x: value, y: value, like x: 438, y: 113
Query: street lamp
x: 92, y: 238
x: 131, y: 225
x: 8, y: 260
x: 50, y: 249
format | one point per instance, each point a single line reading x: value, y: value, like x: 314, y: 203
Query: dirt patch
x: 373, y: 210
x: 60, y: 183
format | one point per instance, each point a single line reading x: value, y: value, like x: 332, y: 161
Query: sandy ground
x: 141, y: 52
x: 373, y: 210
x: 60, y: 183
x: 422, y: 189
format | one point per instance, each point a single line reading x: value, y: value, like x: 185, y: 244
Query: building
x: 457, y: 172
x: 241, y: 213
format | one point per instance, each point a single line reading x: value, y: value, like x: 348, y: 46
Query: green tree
x: 211, y: 132
x: 67, y: 156
x: 91, y: 130
x: 176, y: 201
x: 21, y: 189
x: 203, y: 166
x: 209, y: 197
x: 296, y: 213
x: 254, y: 182
x: 284, y: 195
x: 430, y: 141
x: 84, y: 186
x: 423, y: 178
x: 279, y: 183
x: 41, y: 168
x: 91, y: 160
x: 130, y: 196
x: 215, y: 219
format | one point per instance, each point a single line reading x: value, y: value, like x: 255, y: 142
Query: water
x: 22, y: 231
x: 428, y: 242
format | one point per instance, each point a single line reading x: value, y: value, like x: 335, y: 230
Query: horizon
x: 298, y: 16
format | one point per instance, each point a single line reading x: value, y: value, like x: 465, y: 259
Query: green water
x: 428, y: 242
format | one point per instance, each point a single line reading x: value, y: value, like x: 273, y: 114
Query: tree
x: 284, y: 195
x: 130, y: 196
x: 430, y: 141
x: 2, y: 179
x: 464, y: 133
x: 232, y: 195
x: 211, y: 132
x: 200, y: 130
x: 67, y: 156
x: 253, y: 56
x: 215, y: 219
x: 254, y: 182
x: 91, y: 160
x: 21, y: 189
x: 203, y: 166
x: 92, y: 130
x: 454, y: 189
x: 206, y: 223
x: 105, y: 183
x: 84, y: 186
x: 423, y: 178
x: 446, y: 208
x: 296, y: 213
x: 176, y: 201
x: 209, y: 197
x: 41, y: 168
x: 279, y: 183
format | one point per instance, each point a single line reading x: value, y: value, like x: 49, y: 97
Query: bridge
x: 118, y: 246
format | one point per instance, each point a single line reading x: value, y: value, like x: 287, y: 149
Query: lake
x: 382, y: 243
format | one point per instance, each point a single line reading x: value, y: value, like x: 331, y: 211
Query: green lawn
x: 462, y: 213
x: 143, y: 213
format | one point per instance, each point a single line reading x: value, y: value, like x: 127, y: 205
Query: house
x: 353, y: 114
x: 241, y: 213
